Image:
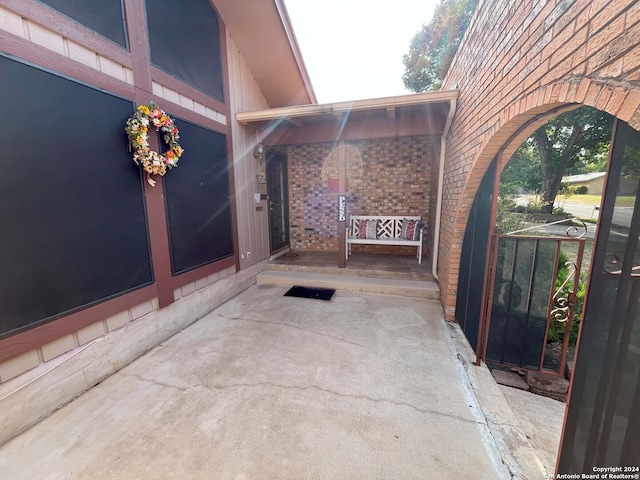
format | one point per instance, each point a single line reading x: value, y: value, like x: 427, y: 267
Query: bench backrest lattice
x: 388, y: 227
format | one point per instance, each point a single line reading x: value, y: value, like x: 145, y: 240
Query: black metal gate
x: 525, y: 297
x: 507, y: 297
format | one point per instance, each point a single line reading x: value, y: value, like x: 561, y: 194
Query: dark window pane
x: 198, y: 200
x: 71, y: 202
x: 185, y: 41
x: 104, y: 16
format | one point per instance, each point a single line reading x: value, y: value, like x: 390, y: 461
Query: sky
x: 353, y: 48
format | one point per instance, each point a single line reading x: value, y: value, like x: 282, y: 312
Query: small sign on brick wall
x: 342, y: 208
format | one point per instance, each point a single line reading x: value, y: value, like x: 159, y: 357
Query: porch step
x: 388, y: 286
x: 399, y: 267
x: 351, y: 271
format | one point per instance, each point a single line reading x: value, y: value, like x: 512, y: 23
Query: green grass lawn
x: 621, y: 201
x: 580, y: 199
x: 626, y: 201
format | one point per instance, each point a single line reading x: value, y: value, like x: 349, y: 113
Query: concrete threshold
x: 388, y: 286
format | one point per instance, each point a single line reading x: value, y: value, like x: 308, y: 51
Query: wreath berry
x: 137, y: 128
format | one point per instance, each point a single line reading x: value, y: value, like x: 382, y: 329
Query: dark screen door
x: 472, y: 263
x: 601, y: 427
x: 278, y: 192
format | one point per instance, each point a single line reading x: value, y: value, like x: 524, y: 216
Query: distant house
x: 595, y: 183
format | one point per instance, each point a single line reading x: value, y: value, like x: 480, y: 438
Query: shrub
x: 534, y: 207
x: 559, y: 211
x: 507, y: 222
x: 581, y: 190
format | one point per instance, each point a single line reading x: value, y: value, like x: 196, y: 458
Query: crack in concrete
x: 295, y: 387
x: 156, y: 382
x: 339, y: 394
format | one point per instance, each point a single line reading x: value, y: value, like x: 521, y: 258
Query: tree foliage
x: 522, y: 172
x: 570, y: 139
x: 572, y: 143
x: 432, y: 49
x: 631, y: 167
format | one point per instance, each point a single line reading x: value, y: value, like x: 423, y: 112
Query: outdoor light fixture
x: 259, y: 151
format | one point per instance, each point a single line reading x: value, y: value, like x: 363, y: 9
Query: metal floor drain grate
x: 309, y: 292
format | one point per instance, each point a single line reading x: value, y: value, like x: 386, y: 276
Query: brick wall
x: 391, y: 176
x: 519, y: 64
x: 312, y: 206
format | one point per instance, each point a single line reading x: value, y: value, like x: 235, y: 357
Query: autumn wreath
x: 137, y: 128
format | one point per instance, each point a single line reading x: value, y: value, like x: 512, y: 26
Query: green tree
x: 591, y: 163
x: 568, y: 140
x: 572, y: 143
x: 432, y: 49
x: 631, y: 167
x: 522, y: 172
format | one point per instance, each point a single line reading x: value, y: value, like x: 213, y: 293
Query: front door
x: 278, y: 193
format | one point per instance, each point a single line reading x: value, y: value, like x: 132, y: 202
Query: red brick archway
x: 520, y: 65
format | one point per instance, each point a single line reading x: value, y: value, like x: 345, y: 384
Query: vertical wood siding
x: 253, y: 232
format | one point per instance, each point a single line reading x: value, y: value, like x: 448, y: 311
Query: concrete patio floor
x: 272, y: 387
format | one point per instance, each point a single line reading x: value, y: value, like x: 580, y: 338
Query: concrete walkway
x: 541, y: 418
x: 272, y: 387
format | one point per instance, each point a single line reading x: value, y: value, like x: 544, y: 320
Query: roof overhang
x: 584, y: 177
x: 262, y: 31
x: 405, y: 115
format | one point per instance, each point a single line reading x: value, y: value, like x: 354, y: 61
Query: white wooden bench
x: 389, y: 230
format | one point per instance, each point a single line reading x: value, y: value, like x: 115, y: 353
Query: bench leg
x: 420, y: 254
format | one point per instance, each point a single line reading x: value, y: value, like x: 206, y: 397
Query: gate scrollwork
x: 577, y: 232
x: 562, y: 305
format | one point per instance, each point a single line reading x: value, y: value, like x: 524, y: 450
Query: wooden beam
x: 298, y: 122
x: 361, y: 129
